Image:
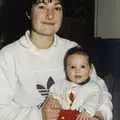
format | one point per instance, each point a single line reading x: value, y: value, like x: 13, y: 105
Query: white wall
x: 107, y: 18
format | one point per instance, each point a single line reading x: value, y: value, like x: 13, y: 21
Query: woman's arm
x: 9, y: 109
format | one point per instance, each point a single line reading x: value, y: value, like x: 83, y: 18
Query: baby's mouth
x: 78, y: 76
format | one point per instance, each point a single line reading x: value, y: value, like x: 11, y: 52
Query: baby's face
x: 78, y: 68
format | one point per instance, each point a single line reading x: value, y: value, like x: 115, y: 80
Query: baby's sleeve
x: 92, y: 102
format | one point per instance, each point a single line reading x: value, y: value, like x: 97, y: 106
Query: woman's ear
x: 28, y: 16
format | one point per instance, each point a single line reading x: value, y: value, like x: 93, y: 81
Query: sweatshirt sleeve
x: 9, y: 110
x: 106, y: 103
x: 92, y: 101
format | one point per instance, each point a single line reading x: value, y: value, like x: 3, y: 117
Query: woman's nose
x: 50, y: 14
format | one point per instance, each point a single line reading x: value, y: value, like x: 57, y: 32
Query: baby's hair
x: 76, y: 50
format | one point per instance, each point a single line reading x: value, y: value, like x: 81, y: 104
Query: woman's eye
x: 58, y: 8
x: 41, y: 7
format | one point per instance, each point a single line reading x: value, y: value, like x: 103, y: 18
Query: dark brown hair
x: 31, y: 2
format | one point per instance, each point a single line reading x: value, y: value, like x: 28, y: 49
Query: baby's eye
x: 83, y: 66
x: 72, y: 67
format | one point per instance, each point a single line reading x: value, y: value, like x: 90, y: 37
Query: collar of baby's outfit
x: 84, y: 82
x: 73, y: 85
x: 79, y: 84
x: 26, y: 41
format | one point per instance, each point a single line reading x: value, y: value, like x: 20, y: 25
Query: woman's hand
x: 98, y: 116
x: 86, y: 116
x: 51, y: 109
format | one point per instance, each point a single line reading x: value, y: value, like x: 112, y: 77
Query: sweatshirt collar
x: 26, y: 42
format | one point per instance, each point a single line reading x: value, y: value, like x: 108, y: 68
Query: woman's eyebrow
x: 47, y: 1
x: 58, y: 3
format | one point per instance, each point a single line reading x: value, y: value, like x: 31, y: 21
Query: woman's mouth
x: 49, y: 23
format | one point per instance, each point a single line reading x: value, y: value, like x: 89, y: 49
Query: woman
x: 36, y: 58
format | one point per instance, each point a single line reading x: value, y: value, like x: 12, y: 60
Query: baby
x: 79, y: 96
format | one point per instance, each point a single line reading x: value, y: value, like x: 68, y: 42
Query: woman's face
x: 46, y: 16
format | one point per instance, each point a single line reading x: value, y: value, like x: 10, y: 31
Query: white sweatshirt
x: 22, y: 67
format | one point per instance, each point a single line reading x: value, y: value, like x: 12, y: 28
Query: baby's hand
x: 51, y: 109
x: 84, y: 116
x: 52, y: 103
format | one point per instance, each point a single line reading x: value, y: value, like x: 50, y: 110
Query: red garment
x: 68, y: 114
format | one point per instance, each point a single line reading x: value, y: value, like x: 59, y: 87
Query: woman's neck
x: 41, y: 41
